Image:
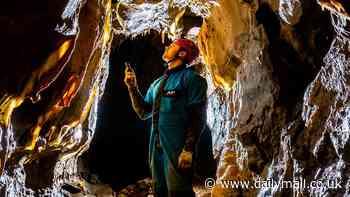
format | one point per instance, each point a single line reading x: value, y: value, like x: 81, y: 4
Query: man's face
x: 171, y: 52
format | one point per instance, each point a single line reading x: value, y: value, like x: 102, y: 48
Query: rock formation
x: 55, y: 64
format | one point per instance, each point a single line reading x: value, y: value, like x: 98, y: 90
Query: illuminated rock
x: 55, y: 75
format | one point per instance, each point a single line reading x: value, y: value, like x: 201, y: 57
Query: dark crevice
x: 292, y: 71
x: 118, y: 152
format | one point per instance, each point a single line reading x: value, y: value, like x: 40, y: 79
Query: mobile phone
x: 129, y: 66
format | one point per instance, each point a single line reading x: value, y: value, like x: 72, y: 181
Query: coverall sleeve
x: 149, y: 95
x: 142, y: 106
x: 196, y: 106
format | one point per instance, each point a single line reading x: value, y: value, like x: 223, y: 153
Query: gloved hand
x: 130, y: 77
x: 185, y: 160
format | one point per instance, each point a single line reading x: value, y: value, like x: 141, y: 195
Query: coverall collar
x: 176, y: 69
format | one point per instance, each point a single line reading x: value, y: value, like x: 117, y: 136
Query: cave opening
x: 118, y: 152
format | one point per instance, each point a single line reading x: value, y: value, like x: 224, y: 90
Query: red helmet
x: 190, y: 47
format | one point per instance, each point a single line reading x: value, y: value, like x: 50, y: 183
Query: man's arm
x: 142, y: 108
x: 196, y: 107
x: 197, y: 119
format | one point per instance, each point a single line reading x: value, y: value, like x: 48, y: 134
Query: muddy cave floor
x: 141, y: 188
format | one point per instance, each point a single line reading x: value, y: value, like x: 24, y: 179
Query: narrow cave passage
x: 118, y: 153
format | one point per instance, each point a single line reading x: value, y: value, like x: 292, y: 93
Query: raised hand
x: 185, y: 160
x: 130, y: 76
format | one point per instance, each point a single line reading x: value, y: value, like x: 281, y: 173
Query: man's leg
x: 179, y: 183
x: 159, y: 182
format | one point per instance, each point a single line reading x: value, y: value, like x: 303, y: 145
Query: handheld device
x: 129, y: 67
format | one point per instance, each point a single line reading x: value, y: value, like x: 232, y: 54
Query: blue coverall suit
x: 183, y: 89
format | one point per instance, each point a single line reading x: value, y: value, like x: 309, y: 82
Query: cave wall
x: 55, y: 65
x: 222, y: 37
x: 285, y: 117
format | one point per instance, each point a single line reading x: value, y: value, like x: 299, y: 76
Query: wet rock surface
x: 56, y: 56
x: 289, y: 119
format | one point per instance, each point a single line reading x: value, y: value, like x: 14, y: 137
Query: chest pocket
x: 174, y: 95
x: 173, y: 100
